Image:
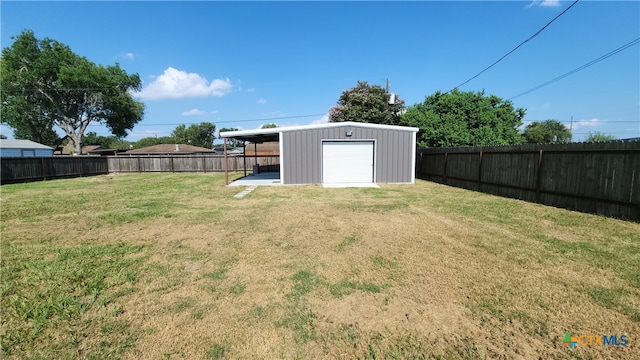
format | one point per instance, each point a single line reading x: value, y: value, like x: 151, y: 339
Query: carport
x: 256, y: 137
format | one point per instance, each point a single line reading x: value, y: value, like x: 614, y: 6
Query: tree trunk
x: 76, y: 141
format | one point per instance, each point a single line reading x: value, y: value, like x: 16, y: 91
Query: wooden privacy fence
x: 601, y: 178
x: 43, y: 168
x: 187, y: 163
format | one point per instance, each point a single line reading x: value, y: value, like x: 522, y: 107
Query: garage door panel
x: 347, y: 162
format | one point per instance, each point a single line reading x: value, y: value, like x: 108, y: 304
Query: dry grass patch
x: 174, y: 267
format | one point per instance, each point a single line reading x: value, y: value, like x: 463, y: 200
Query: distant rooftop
x: 170, y: 149
x: 22, y: 144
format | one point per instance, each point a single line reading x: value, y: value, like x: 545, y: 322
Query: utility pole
x: 392, y: 97
x: 571, y: 128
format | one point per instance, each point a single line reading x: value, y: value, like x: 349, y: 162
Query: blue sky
x: 244, y: 64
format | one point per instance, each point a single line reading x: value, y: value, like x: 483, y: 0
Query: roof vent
x: 177, y: 147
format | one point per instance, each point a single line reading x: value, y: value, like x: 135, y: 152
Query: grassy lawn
x: 172, y: 266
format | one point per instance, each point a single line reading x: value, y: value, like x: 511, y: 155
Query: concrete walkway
x: 245, y: 192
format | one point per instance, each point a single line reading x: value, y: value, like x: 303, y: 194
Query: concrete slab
x: 263, y: 179
x: 273, y: 179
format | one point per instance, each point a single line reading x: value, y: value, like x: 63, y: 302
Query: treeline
x: 202, y: 135
x: 452, y: 118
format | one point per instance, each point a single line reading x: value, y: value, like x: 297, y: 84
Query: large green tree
x: 201, y: 134
x: 91, y: 138
x: 369, y: 104
x: 546, y: 132
x: 153, y: 140
x: 45, y: 84
x: 464, y: 118
x: 598, y: 137
x: 121, y: 144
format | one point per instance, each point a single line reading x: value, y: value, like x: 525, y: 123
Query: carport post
x: 226, y: 172
x: 244, y: 157
x: 255, y: 154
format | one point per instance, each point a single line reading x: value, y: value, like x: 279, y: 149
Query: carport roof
x: 273, y: 134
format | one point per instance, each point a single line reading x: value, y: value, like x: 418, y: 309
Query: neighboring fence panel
x: 186, y: 163
x: 601, y: 178
x: 42, y: 168
x: 22, y: 169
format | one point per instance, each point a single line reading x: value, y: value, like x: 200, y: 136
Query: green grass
x: 219, y: 274
x: 237, y: 288
x: 55, y: 286
x: 304, y: 281
x: 182, y: 305
x: 617, y: 299
x: 346, y: 287
x: 349, y: 240
x: 216, y: 352
x: 171, y: 265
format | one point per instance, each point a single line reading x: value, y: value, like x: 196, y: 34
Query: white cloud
x: 586, y: 123
x: 323, y: 120
x: 177, y: 84
x: 129, y: 56
x: 544, y: 3
x: 550, y: 3
x: 193, y: 112
x: 251, y: 90
x: 262, y: 101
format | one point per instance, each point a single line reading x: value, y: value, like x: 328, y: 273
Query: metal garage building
x: 345, y: 152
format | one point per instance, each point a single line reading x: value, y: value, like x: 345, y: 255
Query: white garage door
x: 347, y: 162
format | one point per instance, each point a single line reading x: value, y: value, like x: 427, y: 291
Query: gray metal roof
x: 273, y: 134
x: 22, y: 144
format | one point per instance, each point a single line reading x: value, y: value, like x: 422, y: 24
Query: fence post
x: 480, y: 173
x: 538, y: 175
x: 44, y: 173
x: 444, y: 171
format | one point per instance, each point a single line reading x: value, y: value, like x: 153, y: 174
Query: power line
x: 229, y: 121
x: 592, y: 62
x: 516, y: 48
x: 599, y: 121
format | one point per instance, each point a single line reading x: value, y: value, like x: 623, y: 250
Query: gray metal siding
x: 302, y: 158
